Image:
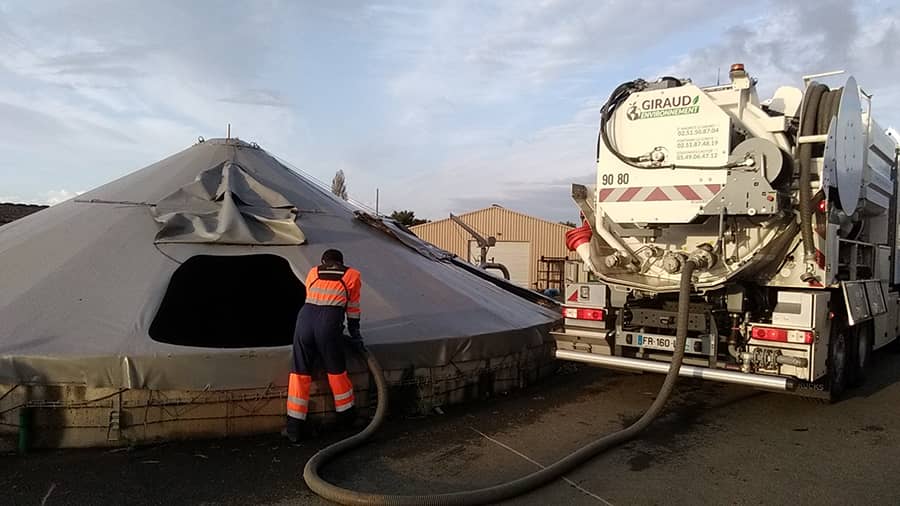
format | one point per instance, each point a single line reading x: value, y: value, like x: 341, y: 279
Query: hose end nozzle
x: 808, y: 277
x: 703, y: 257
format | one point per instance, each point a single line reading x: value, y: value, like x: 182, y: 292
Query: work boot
x: 347, y: 420
x: 298, y: 430
x: 291, y: 429
x: 290, y: 436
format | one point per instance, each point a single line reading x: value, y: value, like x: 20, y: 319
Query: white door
x: 515, y: 255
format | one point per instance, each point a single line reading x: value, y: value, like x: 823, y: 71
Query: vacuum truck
x: 786, y: 209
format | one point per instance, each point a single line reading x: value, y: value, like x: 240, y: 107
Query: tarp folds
x: 226, y: 205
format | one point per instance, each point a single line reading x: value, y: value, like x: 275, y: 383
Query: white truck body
x: 798, y: 292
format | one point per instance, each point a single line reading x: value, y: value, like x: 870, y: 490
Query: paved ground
x: 716, y: 445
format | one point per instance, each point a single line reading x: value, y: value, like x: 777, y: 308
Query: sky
x: 444, y: 106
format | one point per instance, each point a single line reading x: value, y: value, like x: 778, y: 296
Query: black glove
x: 353, y: 328
x: 355, y: 340
x: 356, y: 343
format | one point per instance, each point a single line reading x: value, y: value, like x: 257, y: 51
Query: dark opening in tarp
x: 243, y: 301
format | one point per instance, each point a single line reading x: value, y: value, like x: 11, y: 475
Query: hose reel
x: 838, y: 116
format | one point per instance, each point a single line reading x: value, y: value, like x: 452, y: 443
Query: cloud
x: 443, y: 105
x: 258, y: 97
x: 49, y: 197
x: 482, y: 53
x: 94, y: 90
x: 545, y: 50
x: 116, y: 64
x: 530, y: 172
x: 53, y: 197
x: 23, y: 124
x: 793, y: 39
x: 550, y: 200
x: 485, y: 97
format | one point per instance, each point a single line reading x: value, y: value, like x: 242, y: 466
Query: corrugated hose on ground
x: 509, y: 489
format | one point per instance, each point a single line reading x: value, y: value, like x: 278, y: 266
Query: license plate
x: 656, y: 342
x: 692, y: 345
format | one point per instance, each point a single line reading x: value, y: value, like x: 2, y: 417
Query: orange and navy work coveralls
x: 331, y: 293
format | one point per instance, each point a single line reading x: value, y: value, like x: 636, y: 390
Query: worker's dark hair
x: 332, y: 257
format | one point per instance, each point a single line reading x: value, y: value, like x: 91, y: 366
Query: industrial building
x: 532, y: 249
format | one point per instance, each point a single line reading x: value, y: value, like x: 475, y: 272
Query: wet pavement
x: 716, y: 444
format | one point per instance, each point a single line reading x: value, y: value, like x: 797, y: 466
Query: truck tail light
x: 783, y: 335
x: 575, y: 313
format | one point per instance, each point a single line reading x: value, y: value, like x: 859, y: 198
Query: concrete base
x: 68, y: 416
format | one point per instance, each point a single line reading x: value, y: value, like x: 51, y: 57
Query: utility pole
x: 376, y: 202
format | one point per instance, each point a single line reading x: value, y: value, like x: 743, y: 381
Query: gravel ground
x: 717, y: 444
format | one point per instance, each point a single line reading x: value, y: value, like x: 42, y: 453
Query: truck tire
x: 838, y: 359
x: 861, y: 345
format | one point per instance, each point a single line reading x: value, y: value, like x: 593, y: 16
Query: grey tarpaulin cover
x: 81, y: 282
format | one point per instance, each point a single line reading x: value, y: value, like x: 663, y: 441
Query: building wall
x: 546, y: 237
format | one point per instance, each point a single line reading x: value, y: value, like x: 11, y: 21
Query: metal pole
x: 377, y: 195
x: 775, y: 383
x: 892, y: 221
x: 807, y: 79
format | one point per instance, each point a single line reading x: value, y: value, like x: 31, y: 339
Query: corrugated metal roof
x: 500, y: 209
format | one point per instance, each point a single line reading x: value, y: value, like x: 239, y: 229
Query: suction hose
x: 513, y: 488
x: 808, y: 126
x: 819, y: 105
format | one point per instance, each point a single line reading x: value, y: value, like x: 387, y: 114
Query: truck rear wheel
x: 838, y: 359
x: 862, y: 353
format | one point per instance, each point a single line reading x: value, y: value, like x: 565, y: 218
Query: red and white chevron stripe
x: 699, y: 192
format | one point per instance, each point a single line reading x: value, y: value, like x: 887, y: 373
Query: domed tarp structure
x: 181, y: 282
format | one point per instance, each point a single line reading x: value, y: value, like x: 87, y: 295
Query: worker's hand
x: 353, y: 328
x: 355, y: 342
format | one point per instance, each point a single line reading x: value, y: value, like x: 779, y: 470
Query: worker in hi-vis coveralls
x: 332, y: 291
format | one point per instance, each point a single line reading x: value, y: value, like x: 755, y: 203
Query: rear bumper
x: 773, y: 383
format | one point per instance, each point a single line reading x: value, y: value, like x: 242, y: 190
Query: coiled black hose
x: 818, y: 107
x: 513, y: 488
